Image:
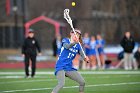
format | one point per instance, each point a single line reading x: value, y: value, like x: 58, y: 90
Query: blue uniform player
x: 92, y: 53
x: 86, y: 41
x: 100, y: 45
x: 64, y: 66
x: 68, y: 53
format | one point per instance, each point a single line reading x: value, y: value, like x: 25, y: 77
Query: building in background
x: 110, y: 18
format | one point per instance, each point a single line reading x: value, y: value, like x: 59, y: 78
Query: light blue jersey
x: 92, y: 45
x: 101, y: 43
x: 86, y: 42
x: 66, y: 56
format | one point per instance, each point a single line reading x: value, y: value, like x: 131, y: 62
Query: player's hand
x: 86, y: 59
x: 39, y: 54
x: 23, y: 55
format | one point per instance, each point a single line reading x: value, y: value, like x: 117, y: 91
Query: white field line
x: 18, y: 76
x: 126, y: 76
x: 44, y: 77
x: 97, y: 85
x: 111, y: 72
x: 48, y: 79
x: 82, y: 72
x: 23, y: 81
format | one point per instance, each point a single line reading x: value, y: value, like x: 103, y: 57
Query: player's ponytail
x: 80, y: 39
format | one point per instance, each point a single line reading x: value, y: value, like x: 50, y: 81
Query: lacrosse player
x: 100, y: 45
x: 64, y: 66
x: 92, y: 53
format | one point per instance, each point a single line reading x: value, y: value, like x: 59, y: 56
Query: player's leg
x: 130, y: 60
x: 74, y: 75
x: 26, y: 63
x: 93, y: 62
x: 61, y: 81
x: 33, y: 59
x: 135, y: 64
x: 125, y: 61
x: 102, y: 61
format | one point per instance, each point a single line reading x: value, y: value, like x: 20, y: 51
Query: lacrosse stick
x: 67, y: 17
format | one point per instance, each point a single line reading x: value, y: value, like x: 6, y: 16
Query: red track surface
x: 50, y: 64
x: 21, y: 65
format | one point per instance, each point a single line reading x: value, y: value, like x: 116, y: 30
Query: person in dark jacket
x: 29, y: 52
x: 128, y: 45
x: 54, y: 46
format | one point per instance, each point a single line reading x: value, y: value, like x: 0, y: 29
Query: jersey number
x: 70, y: 55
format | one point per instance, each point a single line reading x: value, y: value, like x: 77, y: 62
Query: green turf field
x: 111, y: 81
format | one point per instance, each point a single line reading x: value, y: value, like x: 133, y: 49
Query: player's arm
x: 84, y: 57
x: 38, y: 47
x: 67, y: 46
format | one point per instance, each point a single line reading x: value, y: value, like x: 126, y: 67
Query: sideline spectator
x: 86, y: 41
x: 54, y: 46
x: 128, y: 44
x: 100, y: 45
x: 57, y: 44
x: 29, y: 52
x: 92, y: 53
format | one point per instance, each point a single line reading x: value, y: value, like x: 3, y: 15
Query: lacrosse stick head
x: 67, y: 17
